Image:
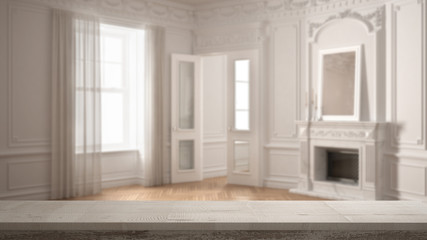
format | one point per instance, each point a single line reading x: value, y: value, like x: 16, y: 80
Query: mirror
x: 339, y: 84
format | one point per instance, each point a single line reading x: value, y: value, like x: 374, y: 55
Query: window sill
x: 120, y: 150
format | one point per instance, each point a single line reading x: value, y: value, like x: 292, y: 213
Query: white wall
x: 393, y: 36
x: 284, y: 96
x: 394, y: 88
x: 25, y: 98
x: 214, y: 72
x: 25, y: 104
x: 406, y: 157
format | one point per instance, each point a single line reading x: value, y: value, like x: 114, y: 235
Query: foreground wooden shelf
x: 214, y: 216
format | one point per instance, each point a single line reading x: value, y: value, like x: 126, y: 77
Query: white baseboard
x: 280, y: 183
x: 43, y: 195
x: 120, y: 182
x: 215, y: 172
x: 394, y: 195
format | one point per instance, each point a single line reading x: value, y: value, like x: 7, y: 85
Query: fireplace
x: 343, y: 166
x: 339, y: 165
x: 341, y: 160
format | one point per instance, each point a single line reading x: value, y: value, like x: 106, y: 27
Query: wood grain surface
x: 213, y: 189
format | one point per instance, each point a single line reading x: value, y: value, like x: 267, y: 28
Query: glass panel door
x: 186, y: 95
x: 241, y: 157
x: 186, y: 126
x: 243, y: 151
x: 241, y: 95
x: 186, y: 155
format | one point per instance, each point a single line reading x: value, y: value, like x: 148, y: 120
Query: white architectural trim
x: 14, y: 140
x: 233, y: 12
x: 373, y: 20
x: 396, y: 142
x: 161, y: 12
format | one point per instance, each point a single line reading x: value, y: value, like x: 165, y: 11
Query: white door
x: 243, y: 167
x: 186, y: 119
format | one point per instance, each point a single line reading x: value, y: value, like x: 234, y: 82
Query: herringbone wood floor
x: 214, y: 189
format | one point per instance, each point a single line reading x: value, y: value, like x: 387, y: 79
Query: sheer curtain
x: 151, y: 144
x: 76, y: 106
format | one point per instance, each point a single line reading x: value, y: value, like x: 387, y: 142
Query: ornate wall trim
x: 226, y: 12
x: 226, y: 40
x: 146, y: 11
x: 258, y: 10
x: 230, y: 38
x: 373, y: 20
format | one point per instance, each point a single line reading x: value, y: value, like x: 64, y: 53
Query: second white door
x: 243, y: 165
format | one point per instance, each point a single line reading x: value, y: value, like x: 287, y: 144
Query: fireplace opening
x: 343, y: 165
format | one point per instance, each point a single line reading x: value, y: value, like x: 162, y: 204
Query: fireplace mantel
x: 365, y: 137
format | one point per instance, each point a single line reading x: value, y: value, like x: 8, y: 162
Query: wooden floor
x: 214, y: 189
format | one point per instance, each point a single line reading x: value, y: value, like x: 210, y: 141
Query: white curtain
x: 151, y: 145
x: 76, y: 106
x: 62, y: 106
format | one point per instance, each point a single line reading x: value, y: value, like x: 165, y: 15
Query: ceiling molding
x: 161, y: 12
x: 237, y: 11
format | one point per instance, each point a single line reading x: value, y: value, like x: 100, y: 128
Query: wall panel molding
x: 282, y: 164
x: 217, y: 147
x: 410, y: 75
x: 418, y: 172
x: 8, y: 155
x: 215, y: 98
x: 19, y: 171
x: 14, y: 140
x: 285, y: 108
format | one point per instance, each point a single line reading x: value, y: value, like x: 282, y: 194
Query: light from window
x: 241, y: 94
x: 122, y: 71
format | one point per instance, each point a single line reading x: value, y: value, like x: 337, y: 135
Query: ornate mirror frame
x: 339, y: 102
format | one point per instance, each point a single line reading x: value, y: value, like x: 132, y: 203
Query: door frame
x: 195, y: 134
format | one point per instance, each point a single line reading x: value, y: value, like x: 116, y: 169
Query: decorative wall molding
x: 397, y: 141
x: 226, y: 39
x: 259, y: 10
x: 285, y: 156
x: 394, y: 167
x: 15, y: 140
x: 9, y: 155
x: 373, y: 20
x: 346, y: 131
x: 216, y: 165
x: 15, y: 164
x: 147, y: 11
x: 275, y: 133
x: 332, y: 133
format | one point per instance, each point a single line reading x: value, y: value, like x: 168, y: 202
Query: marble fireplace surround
x: 365, y: 137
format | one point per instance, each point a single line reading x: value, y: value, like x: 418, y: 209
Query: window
x: 241, y: 94
x: 122, y: 71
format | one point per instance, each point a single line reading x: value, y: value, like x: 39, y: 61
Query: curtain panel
x: 152, y: 157
x: 76, y: 106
